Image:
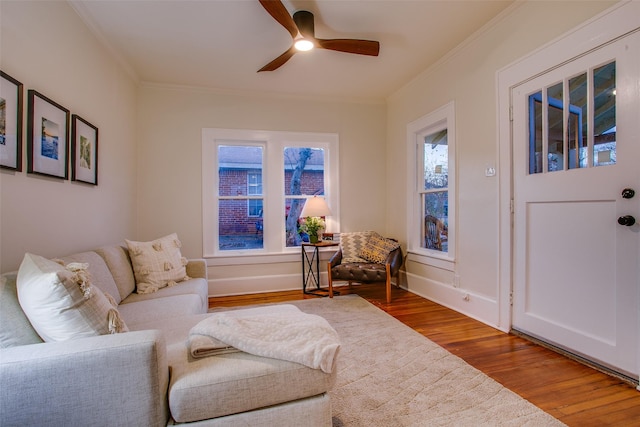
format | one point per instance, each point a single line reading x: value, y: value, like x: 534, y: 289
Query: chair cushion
x: 378, y: 248
x: 360, y: 272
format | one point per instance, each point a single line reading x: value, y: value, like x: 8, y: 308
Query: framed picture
x: 47, y: 137
x: 84, y: 151
x: 10, y: 122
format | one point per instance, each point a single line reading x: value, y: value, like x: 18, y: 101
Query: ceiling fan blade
x: 279, y: 61
x: 361, y: 47
x: 280, y: 13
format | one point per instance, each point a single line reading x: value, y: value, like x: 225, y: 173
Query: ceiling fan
x: 301, y: 28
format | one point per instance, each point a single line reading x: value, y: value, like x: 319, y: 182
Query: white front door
x: 576, y: 147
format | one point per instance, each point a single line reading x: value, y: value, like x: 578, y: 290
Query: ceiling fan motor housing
x: 304, y: 22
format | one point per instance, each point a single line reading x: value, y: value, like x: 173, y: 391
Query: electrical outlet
x: 490, y: 171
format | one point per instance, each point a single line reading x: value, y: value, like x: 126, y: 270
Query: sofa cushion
x: 351, y: 245
x: 100, y: 274
x: 117, y: 259
x: 153, y: 310
x: 197, y: 287
x: 15, y: 328
x: 61, y: 303
x: 378, y: 248
x: 238, y: 382
x: 157, y: 263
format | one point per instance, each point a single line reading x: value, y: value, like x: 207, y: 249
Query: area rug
x: 390, y: 375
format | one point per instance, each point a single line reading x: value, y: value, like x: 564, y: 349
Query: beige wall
x: 467, y: 76
x: 150, y: 148
x: 46, y: 46
x: 169, y: 148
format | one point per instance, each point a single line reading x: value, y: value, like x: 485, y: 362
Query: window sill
x: 433, y: 259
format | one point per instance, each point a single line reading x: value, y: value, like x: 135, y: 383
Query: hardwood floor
x: 573, y: 393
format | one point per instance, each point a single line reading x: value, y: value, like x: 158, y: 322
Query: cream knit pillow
x: 61, y: 303
x: 158, y: 263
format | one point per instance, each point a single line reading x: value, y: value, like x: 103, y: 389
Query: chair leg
x: 329, y: 280
x: 388, y: 284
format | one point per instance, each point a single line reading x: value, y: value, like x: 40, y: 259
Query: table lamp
x: 314, y: 208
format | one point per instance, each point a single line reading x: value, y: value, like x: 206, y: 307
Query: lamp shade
x: 315, y: 206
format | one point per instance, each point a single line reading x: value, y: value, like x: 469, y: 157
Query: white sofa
x: 146, y: 377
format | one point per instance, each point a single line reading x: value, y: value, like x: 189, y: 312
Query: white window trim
x: 273, y: 188
x: 443, y: 117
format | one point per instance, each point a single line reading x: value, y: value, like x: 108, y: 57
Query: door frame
x: 613, y: 23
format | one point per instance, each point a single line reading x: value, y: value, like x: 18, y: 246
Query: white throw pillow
x: 158, y: 263
x: 61, y: 303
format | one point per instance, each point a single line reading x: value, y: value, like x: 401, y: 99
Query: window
x: 255, y: 184
x: 560, y: 122
x: 430, y: 222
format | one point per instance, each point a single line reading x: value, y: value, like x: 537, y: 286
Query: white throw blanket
x: 279, y: 332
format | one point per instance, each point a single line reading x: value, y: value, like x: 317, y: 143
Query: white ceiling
x: 220, y: 44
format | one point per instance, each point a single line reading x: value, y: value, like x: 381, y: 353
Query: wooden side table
x: 311, y: 267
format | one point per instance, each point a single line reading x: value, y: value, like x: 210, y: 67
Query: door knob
x: 627, y: 220
x: 628, y: 193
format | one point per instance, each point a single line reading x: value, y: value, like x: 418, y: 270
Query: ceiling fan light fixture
x: 303, y: 45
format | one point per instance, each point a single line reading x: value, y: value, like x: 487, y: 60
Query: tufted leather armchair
x: 361, y: 272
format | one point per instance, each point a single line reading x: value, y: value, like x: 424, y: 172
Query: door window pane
x: 604, y: 115
x: 555, y: 135
x: 577, y: 122
x: 535, y: 133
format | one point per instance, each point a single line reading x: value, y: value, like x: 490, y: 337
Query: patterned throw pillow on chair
x: 378, y: 248
x: 351, y: 245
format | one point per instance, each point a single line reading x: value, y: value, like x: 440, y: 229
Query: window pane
x: 577, y: 125
x: 303, y: 176
x: 555, y: 135
x: 303, y: 171
x: 254, y: 183
x: 436, y: 221
x: 234, y: 165
x: 604, y: 113
x: 292, y: 222
x: 236, y: 230
x: 535, y: 133
x: 436, y: 160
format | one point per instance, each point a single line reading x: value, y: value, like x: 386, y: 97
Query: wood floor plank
x: 568, y: 390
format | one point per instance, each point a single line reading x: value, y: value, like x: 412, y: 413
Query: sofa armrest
x: 119, y: 379
x: 197, y: 268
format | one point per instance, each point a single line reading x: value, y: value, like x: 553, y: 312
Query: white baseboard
x: 258, y: 284
x: 477, y: 307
